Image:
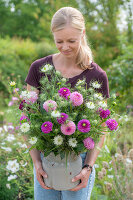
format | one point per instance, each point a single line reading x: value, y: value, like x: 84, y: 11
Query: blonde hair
x: 73, y: 17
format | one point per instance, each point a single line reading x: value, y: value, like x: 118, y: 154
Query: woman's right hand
x: 40, y: 173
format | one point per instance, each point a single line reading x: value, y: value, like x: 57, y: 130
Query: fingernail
x: 45, y: 176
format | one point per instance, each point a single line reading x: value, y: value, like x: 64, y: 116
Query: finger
x: 41, y: 181
x: 78, y: 187
x: 76, y: 178
x: 43, y: 173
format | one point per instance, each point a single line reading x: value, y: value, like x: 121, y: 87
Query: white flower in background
x: 10, y: 138
x: 23, y: 165
x: 129, y: 161
x: 96, y: 165
x: 5, y: 128
x: 58, y: 140
x: 107, y: 149
x: 8, y: 149
x: 33, y: 140
x: 46, y: 68
x: 25, y: 127
x: 12, y: 83
x: 3, y: 143
x: 90, y: 105
x: 11, y: 177
x: 13, y: 166
x: 113, y: 96
x: 110, y: 176
x: 96, y: 85
x: 1, y: 129
x: 72, y: 142
x: 23, y: 146
x: 55, y: 113
x: 110, y: 169
x: 102, y: 104
x: 8, y: 186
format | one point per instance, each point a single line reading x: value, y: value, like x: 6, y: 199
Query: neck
x: 67, y: 62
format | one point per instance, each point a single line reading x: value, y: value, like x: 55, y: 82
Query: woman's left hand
x: 84, y: 177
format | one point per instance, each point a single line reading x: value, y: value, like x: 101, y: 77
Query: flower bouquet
x: 63, y: 122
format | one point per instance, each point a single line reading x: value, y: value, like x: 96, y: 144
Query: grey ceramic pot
x: 60, y: 176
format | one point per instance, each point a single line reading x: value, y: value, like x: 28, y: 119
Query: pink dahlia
x: 24, y: 118
x: 84, y: 125
x: 76, y: 98
x: 50, y: 105
x: 32, y: 97
x: 104, y: 113
x: 69, y: 128
x: 62, y: 119
x: 46, y: 127
x: 64, y: 92
x: 112, y: 124
x: 89, y: 143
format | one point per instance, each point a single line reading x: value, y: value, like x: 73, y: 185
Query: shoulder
x: 97, y: 70
x: 40, y: 62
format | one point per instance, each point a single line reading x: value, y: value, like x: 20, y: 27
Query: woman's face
x: 68, y: 41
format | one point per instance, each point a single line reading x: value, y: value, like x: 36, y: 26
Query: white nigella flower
x: 11, y: 177
x: 8, y: 186
x: 58, y: 140
x: 63, y: 80
x: 10, y: 138
x: 25, y: 127
x: 23, y: 165
x: 96, y: 85
x: 96, y: 165
x: 129, y: 161
x: 12, y: 83
x: 23, y: 146
x: 24, y: 94
x: 72, y: 142
x: 33, y: 140
x: 8, y: 149
x: 98, y: 96
x: 58, y: 73
x: 1, y: 129
x: 95, y: 121
x: 46, y: 68
x: 90, y: 105
x: 55, y: 113
x: 110, y: 176
x: 113, y: 96
x: 13, y: 166
x: 102, y: 104
x: 79, y: 82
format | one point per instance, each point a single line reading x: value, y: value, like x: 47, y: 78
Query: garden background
x: 24, y: 37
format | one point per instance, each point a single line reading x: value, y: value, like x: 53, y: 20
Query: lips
x: 66, y: 52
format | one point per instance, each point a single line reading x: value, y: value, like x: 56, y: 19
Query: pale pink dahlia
x: 62, y: 118
x: 112, y: 124
x: 46, y: 127
x: 64, y: 92
x: 104, y: 113
x: 50, y: 105
x: 33, y: 96
x: 76, y: 98
x: 89, y: 143
x: 84, y: 125
x: 69, y: 128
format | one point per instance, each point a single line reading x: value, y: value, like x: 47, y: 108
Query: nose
x: 65, y: 46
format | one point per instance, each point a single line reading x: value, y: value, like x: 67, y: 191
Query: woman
x: 74, y: 61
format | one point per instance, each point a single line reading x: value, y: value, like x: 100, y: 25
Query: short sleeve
x: 33, y: 76
x: 103, y: 79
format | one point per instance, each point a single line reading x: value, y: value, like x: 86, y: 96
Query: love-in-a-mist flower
x: 89, y: 143
x: 102, y: 104
x: 58, y: 140
x: 55, y: 113
x: 76, y: 98
x: 104, y: 113
x: 33, y: 140
x: 46, y: 68
x: 90, y: 105
x: 112, y: 124
x: 84, y: 126
x: 50, y: 105
x: 68, y: 128
x: 25, y: 127
x: 96, y: 85
x: 29, y: 96
x: 63, y: 117
x: 72, y: 142
x: 46, y: 127
x: 64, y: 92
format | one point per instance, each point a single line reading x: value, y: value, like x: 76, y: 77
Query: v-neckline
x: 64, y: 77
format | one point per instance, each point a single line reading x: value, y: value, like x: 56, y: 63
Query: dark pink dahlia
x: 112, y: 124
x: 104, y: 113
x: 84, y: 126
x: 64, y: 92
x: 46, y: 127
x: 62, y: 119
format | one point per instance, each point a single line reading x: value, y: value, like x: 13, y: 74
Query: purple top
x: 96, y: 73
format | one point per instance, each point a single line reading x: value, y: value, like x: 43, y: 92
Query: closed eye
x: 69, y: 41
